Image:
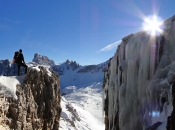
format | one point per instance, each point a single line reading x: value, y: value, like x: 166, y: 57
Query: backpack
x: 15, y: 58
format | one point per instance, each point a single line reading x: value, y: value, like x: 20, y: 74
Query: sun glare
x: 152, y: 25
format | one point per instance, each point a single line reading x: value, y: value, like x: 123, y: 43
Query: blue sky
x: 85, y: 31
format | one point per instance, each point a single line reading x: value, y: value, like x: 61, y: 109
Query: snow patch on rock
x: 8, y: 85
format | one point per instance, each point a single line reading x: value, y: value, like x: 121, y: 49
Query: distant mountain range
x: 70, y: 72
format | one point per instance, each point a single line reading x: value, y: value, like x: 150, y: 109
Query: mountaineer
x: 19, y: 59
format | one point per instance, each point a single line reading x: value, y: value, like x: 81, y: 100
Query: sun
x: 152, y: 25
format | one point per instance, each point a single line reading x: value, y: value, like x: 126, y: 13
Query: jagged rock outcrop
x: 42, y: 60
x: 38, y: 104
x: 71, y: 65
x: 139, y: 84
x: 68, y: 65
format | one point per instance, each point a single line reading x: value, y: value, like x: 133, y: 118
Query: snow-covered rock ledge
x: 139, y: 84
x: 31, y: 101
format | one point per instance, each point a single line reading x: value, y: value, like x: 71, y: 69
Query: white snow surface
x: 48, y: 72
x: 8, y: 85
x: 71, y: 77
x: 86, y: 112
x: 36, y: 68
x: 69, y: 89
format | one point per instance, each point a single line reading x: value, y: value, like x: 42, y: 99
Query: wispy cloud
x: 12, y: 21
x: 4, y: 27
x: 55, y: 49
x: 28, y: 41
x: 110, y: 46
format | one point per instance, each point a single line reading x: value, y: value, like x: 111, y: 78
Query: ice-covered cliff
x: 30, y: 102
x: 139, y: 84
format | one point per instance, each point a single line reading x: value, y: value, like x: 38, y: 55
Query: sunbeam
x: 152, y: 25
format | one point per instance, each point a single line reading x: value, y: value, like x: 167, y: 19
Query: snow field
x: 87, y: 102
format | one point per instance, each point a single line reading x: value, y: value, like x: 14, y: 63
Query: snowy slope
x: 82, y: 109
x: 8, y: 85
x: 73, y: 74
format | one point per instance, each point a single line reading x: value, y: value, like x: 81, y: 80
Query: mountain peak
x: 42, y: 60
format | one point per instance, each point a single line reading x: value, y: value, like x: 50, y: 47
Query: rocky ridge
x: 38, y: 104
x: 74, y: 66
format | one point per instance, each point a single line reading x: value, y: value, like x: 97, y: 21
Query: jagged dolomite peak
x: 139, y: 84
x: 42, y: 60
x: 37, y: 106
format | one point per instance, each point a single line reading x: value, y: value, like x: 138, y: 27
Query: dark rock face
x: 154, y: 126
x: 94, y: 68
x: 71, y: 65
x: 42, y: 60
x: 38, y: 104
x: 59, y: 70
x: 4, y: 65
x: 7, y: 68
x: 87, y: 69
x: 171, y: 119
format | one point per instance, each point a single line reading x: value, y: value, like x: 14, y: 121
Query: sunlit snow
x: 8, y: 85
x: 87, y: 102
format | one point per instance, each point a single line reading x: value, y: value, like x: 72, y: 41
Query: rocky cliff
x: 139, y: 84
x: 37, y: 106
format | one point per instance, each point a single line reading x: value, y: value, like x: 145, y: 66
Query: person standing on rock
x: 20, y: 62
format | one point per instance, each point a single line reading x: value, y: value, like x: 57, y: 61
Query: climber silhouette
x: 20, y: 62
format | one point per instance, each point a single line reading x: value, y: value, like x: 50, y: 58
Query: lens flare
x: 152, y: 25
x: 154, y: 113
